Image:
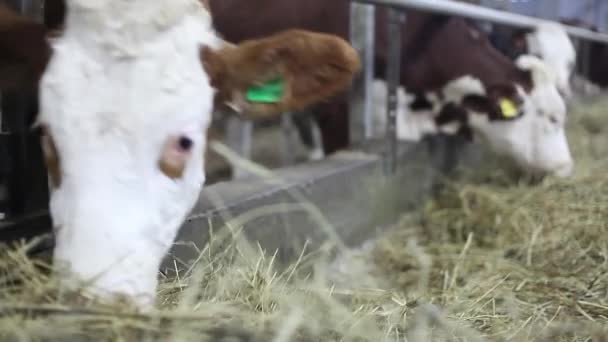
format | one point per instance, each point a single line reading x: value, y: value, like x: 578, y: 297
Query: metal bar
x: 475, y: 12
x: 239, y: 134
x: 393, y: 70
x: 362, y: 24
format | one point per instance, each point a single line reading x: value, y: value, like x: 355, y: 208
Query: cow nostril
x: 185, y: 143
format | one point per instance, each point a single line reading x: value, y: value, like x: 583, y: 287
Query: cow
x: 447, y: 113
x: 549, y: 41
x: 125, y: 100
x: 437, y: 50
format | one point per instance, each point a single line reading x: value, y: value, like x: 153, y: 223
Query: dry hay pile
x: 513, y: 260
x: 490, y: 259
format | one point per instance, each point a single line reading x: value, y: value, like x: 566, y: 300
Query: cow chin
x: 114, y: 226
x: 537, y: 150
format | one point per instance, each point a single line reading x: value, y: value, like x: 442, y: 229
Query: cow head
x: 125, y: 103
x: 528, y: 126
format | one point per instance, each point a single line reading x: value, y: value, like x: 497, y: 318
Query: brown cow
x: 125, y: 102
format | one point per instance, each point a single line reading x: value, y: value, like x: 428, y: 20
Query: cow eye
x: 553, y: 119
x: 185, y: 143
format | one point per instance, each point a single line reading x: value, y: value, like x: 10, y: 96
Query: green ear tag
x: 269, y: 92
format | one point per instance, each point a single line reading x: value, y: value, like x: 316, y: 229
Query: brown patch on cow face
x: 51, y: 157
x: 451, y: 113
x: 174, y: 156
x: 490, y: 104
x: 313, y: 66
x: 171, y: 170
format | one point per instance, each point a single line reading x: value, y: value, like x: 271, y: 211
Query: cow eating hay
x: 125, y: 103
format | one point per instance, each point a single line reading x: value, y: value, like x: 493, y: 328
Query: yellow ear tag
x: 508, y: 109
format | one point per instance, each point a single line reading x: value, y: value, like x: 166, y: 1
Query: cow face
x: 536, y: 140
x: 125, y: 103
x: 551, y: 43
x: 536, y: 137
x: 526, y: 127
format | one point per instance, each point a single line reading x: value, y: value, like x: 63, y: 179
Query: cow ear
x: 24, y: 49
x: 501, y: 103
x: 288, y: 71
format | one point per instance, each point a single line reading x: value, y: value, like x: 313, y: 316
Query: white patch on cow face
x: 111, y: 113
x: 537, y: 140
x: 551, y: 43
x: 456, y: 90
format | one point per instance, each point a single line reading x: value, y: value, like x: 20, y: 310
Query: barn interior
x: 455, y: 245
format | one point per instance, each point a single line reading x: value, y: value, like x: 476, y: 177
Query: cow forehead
x: 547, y: 99
x: 103, y: 91
x: 553, y: 42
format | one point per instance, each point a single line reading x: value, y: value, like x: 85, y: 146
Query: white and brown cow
x: 534, y: 137
x: 125, y: 103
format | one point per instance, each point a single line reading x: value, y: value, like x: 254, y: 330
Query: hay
x: 492, y: 258
x: 511, y: 259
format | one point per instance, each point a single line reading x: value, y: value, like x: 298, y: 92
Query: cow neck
x: 422, y: 36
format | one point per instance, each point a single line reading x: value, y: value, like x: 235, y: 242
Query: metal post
x: 392, y: 78
x: 288, y: 148
x: 362, y: 25
x: 239, y: 134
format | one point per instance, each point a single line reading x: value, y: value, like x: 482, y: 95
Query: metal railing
x: 461, y: 9
x: 362, y: 27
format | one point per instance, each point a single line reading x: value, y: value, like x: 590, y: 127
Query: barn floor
x: 492, y: 258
